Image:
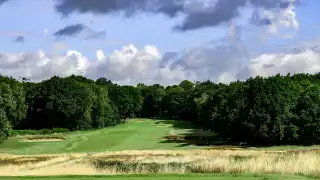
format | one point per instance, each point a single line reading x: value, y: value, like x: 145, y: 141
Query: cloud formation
x: 271, y: 64
x: 38, y: 66
x: 198, y: 14
x: 129, y: 65
x: 128, y: 7
x: 276, y: 20
x: 96, y: 35
x: 75, y: 29
x: 19, y: 39
x: 70, y: 30
x: 223, y: 62
x: 2, y: 1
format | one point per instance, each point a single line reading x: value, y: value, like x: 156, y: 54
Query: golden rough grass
x: 159, y: 161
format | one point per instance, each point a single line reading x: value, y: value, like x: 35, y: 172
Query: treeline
x: 260, y: 111
x: 74, y: 102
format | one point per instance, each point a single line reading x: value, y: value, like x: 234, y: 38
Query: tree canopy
x: 273, y: 110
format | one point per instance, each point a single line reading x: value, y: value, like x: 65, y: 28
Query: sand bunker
x: 42, y: 140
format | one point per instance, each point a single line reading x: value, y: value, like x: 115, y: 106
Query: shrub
x: 46, y: 131
x: 60, y: 130
x: 23, y: 132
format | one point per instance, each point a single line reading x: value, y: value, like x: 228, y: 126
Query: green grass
x: 170, y: 177
x: 133, y: 135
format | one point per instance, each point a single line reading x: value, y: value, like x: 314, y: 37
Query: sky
x: 159, y: 41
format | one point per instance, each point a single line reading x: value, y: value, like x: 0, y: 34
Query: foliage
x: 12, y: 105
x: 260, y: 111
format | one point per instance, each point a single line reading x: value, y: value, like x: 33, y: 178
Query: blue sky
x: 35, y: 16
x: 37, y: 21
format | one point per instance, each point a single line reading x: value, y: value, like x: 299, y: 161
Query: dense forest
x: 274, y: 110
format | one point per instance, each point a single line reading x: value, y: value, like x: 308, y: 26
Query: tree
x: 127, y: 99
x: 6, y: 104
x: 186, y: 85
x: 307, y: 126
x: 12, y: 105
x: 261, y: 111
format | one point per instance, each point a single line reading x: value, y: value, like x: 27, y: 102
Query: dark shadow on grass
x: 205, y: 142
x: 198, y: 137
x: 176, y: 124
x: 193, y: 136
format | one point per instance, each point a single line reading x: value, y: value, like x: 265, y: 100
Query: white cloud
x: 130, y: 65
x: 229, y: 63
x: 38, y: 66
x: 270, y: 64
x: 126, y: 66
x: 100, y: 55
x: 282, y: 19
x: 46, y: 31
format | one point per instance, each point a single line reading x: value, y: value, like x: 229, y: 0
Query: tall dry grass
x: 193, y: 161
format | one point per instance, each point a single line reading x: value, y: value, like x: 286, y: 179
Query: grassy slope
x: 134, y: 135
x: 170, y: 177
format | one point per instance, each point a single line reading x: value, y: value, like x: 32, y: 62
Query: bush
x: 23, y: 132
x: 60, y: 130
x: 46, y: 131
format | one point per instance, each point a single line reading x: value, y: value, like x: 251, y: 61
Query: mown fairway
x: 133, y: 135
x: 136, y: 134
